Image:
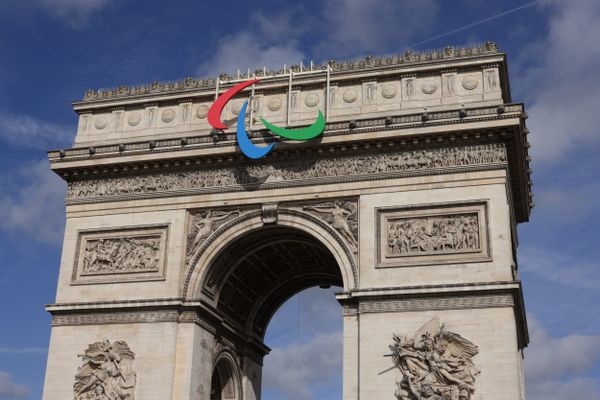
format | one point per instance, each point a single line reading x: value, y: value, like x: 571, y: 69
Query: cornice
x: 343, y: 129
x: 336, y: 68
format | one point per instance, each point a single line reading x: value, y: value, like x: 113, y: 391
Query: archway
x: 251, y: 277
x: 259, y: 271
x: 226, y: 379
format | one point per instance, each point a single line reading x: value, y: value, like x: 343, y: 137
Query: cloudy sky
x: 51, y: 50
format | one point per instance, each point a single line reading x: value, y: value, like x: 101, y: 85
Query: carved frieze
x: 120, y: 254
x: 302, y: 172
x: 106, y: 372
x: 432, y: 235
x: 434, y: 364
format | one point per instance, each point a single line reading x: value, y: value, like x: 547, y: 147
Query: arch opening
x: 258, y: 271
x: 225, y: 382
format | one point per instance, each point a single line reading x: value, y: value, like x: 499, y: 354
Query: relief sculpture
x: 453, y: 233
x: 435, y: 364
x: 203, y: 224
x: 106, y: 372
x: 121, y: 255
x: 286, y: 173
x: 341, y: 215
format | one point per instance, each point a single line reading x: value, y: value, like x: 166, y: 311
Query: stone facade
x: 178, y: 250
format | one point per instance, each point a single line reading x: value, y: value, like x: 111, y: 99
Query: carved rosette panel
x: 434, y: 364
x: 203, y: 224
x: 106, y: 372
x: 120, y: 254
x: 341, y: 215
x: 432, y: 235
x: 299, y: 173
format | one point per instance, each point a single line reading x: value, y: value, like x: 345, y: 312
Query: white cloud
x: 347, y: 28
x: 358, y: 26
x: 555, y: 367
x: 270, y: 40
x: 75, y: 13
x: 245, y: 50
x: 565, y: 269
x: 563, y: 85
x: 9, y: 389
x: 32, y: 202
x: 576, y: 388
x: 27, y: 131
x: 293, y: 369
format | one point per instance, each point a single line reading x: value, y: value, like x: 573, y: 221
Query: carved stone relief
x: 274, y: 103
x: 434, y: 364
x: 134, y: 119
x: 202, y: 111
x: 167, y: 115
x: 202, y: 225
x: 427, y: 235
x: 470, y: 83
x: 349, y: 96
x: 388, y: 91
x: 290, y: 174
x: 311, y: 100
x: 106, y: 372
x: 429, y: 86
x: 341, y: 215
x: 120, y: 254
x: 101, y: 122
x: 432, y: 234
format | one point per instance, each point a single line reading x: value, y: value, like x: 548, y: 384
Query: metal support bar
x: 251, y: 105
x: 327, y: 96
x: 289, y: 100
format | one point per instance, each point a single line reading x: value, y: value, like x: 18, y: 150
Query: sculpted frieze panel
x: 301, y: 172
x: 120, y: 254
x: 432, y: 234
x: 434, y: 364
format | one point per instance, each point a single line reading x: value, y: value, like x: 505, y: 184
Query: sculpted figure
x: 431, y: 234
x: 339, y: 219
x: 434, y: 364
x: 205, y: 225
x: 106, y: 372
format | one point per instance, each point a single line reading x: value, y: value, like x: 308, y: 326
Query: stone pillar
x: 251, y: 378
x: 351, y: 353
x: 193, y: 366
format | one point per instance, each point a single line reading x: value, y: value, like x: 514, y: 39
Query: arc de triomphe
x: 178, y: 249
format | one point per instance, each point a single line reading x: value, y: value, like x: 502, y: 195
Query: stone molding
x: 129, y: 317
x: 360, y: 307
x: 341, y: 128
x: 436, y: 303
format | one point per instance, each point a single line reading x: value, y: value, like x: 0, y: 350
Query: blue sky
x: 52, y: 50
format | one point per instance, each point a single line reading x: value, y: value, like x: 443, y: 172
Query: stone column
x: 194, y: 362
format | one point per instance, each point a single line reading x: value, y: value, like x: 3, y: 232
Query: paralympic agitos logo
x: 246, y: 145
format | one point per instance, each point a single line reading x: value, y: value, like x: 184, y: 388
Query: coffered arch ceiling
x: 259, y: 271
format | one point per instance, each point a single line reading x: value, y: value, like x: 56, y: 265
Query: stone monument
x: 178, y: 249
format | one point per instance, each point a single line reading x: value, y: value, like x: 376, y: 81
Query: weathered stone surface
x: 180, y: 249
